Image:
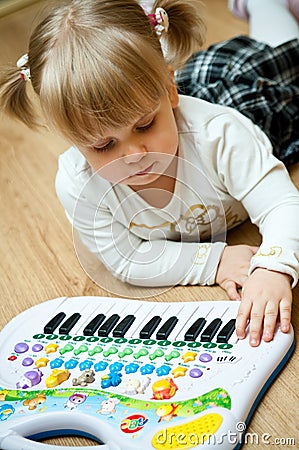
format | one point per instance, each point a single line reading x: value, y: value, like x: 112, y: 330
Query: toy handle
x: 14, y: 438
x: 14, y: 441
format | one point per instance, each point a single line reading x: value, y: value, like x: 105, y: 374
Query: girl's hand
x: 265, y: 296
x: 233, y: 268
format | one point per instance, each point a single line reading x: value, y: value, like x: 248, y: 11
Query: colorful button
x: 57, y: 377
x: 66, y: 348
x: 131, y: 368
x: 147, y: 369
x: 56, y: 363
x: 82, y: 349
x: 71, y: 363
x: 110, y: 351
x: 189, y: 356
x: 96, y: 349
x: 42, y: 362
x: 29, y: 379
x: 209, y: 345
x: 101, y: 365
x: 37, y: 348
x: 163, y: 370
x: 21, y: 347
x: 172, y: 355
x: 140, y: 353
x: 27, y: 362
x: 84, y: 365
x: 51, y: 348
x: 205, y: 357
x: 157, y: 354
x: 195, y: 373
x: 126, y: 351
x: 179, y: 371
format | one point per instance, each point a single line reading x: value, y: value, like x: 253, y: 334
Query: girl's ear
x: 173, y: 93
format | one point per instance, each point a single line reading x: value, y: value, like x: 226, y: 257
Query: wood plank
x: 11, y: 6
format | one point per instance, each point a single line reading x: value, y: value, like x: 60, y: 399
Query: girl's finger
x: 270, y: 319
x: 242, y: 318
x: 256, y: 323
x: 232, y: 289
x: 285, y: 308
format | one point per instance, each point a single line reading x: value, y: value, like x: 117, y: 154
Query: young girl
x: 154, y: 178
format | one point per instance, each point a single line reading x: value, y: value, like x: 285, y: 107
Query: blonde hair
x: 98, y: 64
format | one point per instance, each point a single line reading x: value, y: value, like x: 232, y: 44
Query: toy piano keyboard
x: 132, y: 374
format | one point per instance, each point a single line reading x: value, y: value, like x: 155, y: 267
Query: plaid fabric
x: 260, y: 81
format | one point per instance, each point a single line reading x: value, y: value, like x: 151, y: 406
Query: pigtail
x: 14, y: 98
x: 186, y: 32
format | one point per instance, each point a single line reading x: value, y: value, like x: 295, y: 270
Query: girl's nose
x: 134, y: 152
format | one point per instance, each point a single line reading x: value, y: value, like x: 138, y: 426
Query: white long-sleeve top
x: 226, y: 173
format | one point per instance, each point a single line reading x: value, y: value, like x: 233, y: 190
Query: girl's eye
x: 104, y: 148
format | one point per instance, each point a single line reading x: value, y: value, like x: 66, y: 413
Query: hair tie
x: 25, y: 71
x: 160, y: 21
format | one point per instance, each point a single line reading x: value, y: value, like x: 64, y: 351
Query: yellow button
x: 41, y: 362
x: 179, y: 371
x: 189, y: 356
x: 51, y: 348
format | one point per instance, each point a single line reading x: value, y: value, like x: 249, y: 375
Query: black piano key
x: 150, y: 327
x: 93, y: 325
x: 226, y: 332
x: 210, y: 331
x: 66, y: 327
x: 51, y: 326
x: 192, y: 333
x: 167, y: 328
x: 123, y: 326
x: 108, y: 325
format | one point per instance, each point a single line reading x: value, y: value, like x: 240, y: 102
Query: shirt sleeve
x: 151, y: 263
x: 261, y: 182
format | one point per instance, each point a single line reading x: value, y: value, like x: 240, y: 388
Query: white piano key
x: 123, y: 307
x: 108, y: 307
x: 202, y: 309
x: 143, y: 315
x: 138, y: 309
x: 217, y: 312
x: 230, y: 313
x: 172, y: 310
x: 88, y: 311
x: 184, y: 317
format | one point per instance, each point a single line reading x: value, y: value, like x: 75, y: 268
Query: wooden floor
x: 38, y: 261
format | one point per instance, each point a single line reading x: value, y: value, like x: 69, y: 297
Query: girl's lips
x: 145, y: 171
